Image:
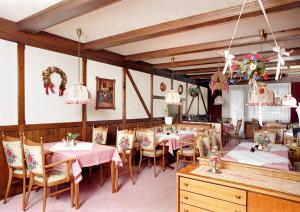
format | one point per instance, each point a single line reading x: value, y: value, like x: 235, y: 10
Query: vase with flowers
x: 214, y: 157
x: 71, y: 138
x: 263, y: 140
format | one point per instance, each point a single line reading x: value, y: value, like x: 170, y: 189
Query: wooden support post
x: 172, y: 83
x: 198, y: 105
x: 124, y: 99
x: 203, y: 101
x: 21, y: 87
x: 151, y: 99
x: 186, y: 97
x: 84, y: 112
x: 138, y: 93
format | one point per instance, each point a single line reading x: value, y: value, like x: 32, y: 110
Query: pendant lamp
x: 78, y: 93
x: 172, y: 97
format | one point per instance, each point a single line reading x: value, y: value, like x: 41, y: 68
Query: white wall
x: 134, y: 107
x: 159, y: 104
x: 8, y: 83
x: 194, y: 107
x: 183, y: 95
x: 103, y: 70
x: 42, y: 108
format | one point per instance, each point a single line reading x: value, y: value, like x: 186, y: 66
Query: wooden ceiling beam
x: 212, y: 70
x: 43, y: 40
x: 252, y: 9
x: 215, y: 45
x: 60, y: 12
x: 213, y: 60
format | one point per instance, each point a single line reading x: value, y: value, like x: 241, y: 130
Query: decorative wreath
x: 218, y: 82
x: 48, y: 83
x: 180, y: 89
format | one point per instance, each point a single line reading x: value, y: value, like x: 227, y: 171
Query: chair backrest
x: 34, y: 155
x: 100, y: 135
x: 204, y: 145
x: 255, y: 124
x: 269, y: 133
x: 125, y: 140
x: 279, y: 133
x: 13, y: 150
x: 238, y: 125
x: 226, y: 120
x: 146, y: 138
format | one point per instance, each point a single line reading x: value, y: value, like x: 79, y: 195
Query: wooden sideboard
x: 198, y: 191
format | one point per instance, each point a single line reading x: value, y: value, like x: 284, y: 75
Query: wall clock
x: 163, y: 86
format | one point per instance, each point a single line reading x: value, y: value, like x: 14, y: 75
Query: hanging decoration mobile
x: 252, y: 67
x: 48, y: 84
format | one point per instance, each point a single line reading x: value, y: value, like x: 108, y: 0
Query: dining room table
x: 276, y: 156
x: 86, y: 154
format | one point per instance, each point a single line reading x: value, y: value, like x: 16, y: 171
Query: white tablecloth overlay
x: 78, y: 146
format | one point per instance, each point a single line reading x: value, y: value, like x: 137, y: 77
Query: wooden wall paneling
x: 21, y: 87
x: 124, y: 99
x: 84, y: 110
x: 137, y: 92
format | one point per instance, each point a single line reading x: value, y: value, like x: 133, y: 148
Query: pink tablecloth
x: 275, y: 157
x: 99, y: 154
x: 174, y: 139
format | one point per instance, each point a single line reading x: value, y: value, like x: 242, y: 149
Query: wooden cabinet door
x: 263, y: 203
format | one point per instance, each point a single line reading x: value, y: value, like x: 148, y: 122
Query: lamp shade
x: 77, y: 94
x: 172, y: 98
x: 218, y: 100
x: 289, y: 101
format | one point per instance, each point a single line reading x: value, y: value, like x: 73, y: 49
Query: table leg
x: 77, y: 199
x: 167, y: 165
x: 113, y: 176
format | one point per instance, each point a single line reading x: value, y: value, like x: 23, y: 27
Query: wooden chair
x: 45, y: 175
x: 124, y: 145
x: 235, y: 134
x: 149, y: 148
x: 204, y: 145
x: 255, y: 124
x: 188, y: 151
x: 99, y: 137
x: 279, y: 133
x: 270, y: 133
x: 14, y: 153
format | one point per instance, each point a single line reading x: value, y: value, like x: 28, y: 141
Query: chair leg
x: 24, y: 194
x: 177, y: 162
x: 10, y: 176
x: 90, y: 174
x: 29, y: 190
x: 130, y: 170
x: 149, y: 163
x: 140, y: 162
x: 44, y: 197
x: 154, y: 164
x: 101, y: 175
x: 117, y: 179
x: 72, y: 193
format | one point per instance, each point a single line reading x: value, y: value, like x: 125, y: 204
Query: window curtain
x: 236, y: 99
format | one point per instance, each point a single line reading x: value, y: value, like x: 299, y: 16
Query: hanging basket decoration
x: 194, y: 91
x: 252, y: 67
x: 48, y: 83
x: 218, y: 82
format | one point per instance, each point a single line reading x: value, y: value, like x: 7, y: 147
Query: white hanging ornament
x: 280, y: 59
x: 228, y: 58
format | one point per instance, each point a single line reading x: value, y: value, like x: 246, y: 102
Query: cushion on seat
x: 20, y: 172
x: 188, y: 151
x: 53, y: 175
x: 159, y: 152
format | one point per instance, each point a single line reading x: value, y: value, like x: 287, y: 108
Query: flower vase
x: 168, y: 120
x: 72, y: 142
x: 260, y: 147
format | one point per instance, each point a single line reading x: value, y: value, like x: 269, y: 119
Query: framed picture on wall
x: 105, y: 93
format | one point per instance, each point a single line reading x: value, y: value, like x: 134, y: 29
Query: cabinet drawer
x: 209, y: 203
x: 189, y: 208
x: 212, y: 190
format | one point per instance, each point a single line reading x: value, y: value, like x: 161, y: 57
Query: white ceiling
x: 16, y: 10
x: 128, y: 15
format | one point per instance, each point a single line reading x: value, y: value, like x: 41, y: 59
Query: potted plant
x: 171, y: 112
x: 194, y: 91
x: 71, y: 138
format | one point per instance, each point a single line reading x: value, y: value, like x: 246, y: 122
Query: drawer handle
x: 185, y: 197
x: 185, y: 184
x: 238, y: 196
x: 185, y: 210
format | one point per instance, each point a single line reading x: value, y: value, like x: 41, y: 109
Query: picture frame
x: 105, y: 93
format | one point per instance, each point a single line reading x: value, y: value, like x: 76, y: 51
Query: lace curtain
x: 236, y: 99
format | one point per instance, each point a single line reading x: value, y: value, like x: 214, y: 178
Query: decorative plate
x: 180, y: 89
x: 163, y: 86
